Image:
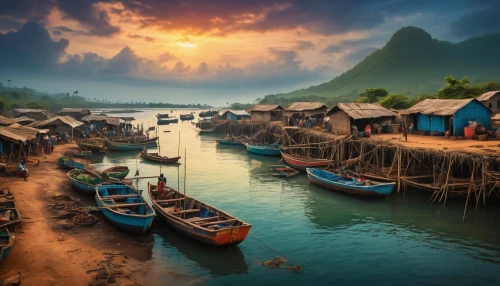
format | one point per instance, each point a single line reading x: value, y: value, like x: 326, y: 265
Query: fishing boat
x: 206, y: 131
x: 198, y: 220
x: 9, y: 214
x: 118, y: 146
x: 166, y: 131
x: 162, y: 115
x: 116, y: 172
x: 350, y: 185
x: 124, y: 207
x: 285, y: 172
x: 149, y: 142
x: 264, y: 149
x: 85, y: 181
x: 186, y: 117
x: 165, y: 121
x: 93, y: 144
x: 69, y: 163
x: 6, y: 243
x: 302, y: 163
x: 157, y: 158
x: 233, y: 140
x: 83, y: 154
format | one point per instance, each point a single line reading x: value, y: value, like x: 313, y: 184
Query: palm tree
x: 75, y: 93
x: 8, y: 81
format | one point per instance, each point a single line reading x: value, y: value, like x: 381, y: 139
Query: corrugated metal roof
x: 438, y: 106
x: 235, y: 112
x: 75, y: 110
x: 306, y: 106
x: 362, y: 110
x: 65, y: 119
x: 109, y: 120
x: 6, y: 121
x: 265, y: 107
x: 24, y: 119
x: 487, y: 95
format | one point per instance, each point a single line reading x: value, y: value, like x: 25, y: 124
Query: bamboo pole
x: 185, y: 175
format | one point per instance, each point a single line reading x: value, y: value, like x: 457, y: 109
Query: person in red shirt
x: 161, y: 187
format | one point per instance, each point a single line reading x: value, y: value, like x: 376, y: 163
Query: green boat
x: 117, y: 172
x: 118, y: 146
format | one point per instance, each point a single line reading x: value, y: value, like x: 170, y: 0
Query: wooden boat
x: 6, y: 243
x: 124, y: 207
x: 285, y: 172
x: 117, y: 146
x: 302, y: 163
x: 264, y: 149
x: 85, y: 181
x: 162, y: 115
x: 166, y: 131
x: 148, y: 142
x: 349, y: 185
x: 199, y: 220
x: 157, y: 158
x: 84, y: 154
x: 70, y: 164
x: 93, y: 144
x: 230, y: 142
x: 9, y: 214
x: 206, y: 131
x: 116, y: 172
x: 186, y: 117
x: 165, y: 121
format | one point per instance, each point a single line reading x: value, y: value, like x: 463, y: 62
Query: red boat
x: 302, y: 163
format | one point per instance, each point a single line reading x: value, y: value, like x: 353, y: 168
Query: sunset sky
x: 210, y: 51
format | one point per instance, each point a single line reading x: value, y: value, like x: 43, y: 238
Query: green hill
x: 413, y: 63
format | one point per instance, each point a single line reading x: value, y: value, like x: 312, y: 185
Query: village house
x: 441, y: 115
x: 58, y: 125
x: 491, y: 100
x: 37, y: 114
x: 76, y: 113
x: 266, y: 113
x: 344, y: 116
x: 301, y: 110
x: 234, y: 115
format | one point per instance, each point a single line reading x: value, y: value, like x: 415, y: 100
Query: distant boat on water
x: 302, y: 163
x: 264, y: 149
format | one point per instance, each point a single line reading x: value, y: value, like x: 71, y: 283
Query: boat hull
x: 127, y: 223
x: 381, y: 190
x: 116, y: 146
x: 263, y: 150
x: 85, y: 189
x: 92, y: 147
x: 302, y: 165
x: 229, y: 142
x: 159, y: 159
x: 166, y: 121
x: 118, y: 175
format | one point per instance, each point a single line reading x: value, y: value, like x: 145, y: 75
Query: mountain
x: 413, y: 63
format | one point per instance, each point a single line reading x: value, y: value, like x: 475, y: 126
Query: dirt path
x: 46, y: 252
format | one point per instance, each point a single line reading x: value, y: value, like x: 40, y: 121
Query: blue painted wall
x: 431, y: 123
x: 474, y: 111
x: 232, y: 116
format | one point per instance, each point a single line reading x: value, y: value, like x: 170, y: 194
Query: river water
x: 337, y: 239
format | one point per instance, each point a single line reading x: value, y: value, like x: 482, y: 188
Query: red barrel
x: 469, y: 132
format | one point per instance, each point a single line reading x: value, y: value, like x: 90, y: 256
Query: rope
x: 270, y: 247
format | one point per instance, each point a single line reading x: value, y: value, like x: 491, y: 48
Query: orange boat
x: 197, y: 219
x: 302, y: 163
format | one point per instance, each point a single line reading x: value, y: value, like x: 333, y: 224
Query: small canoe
x: 117, y: 146
x: 230, y: 142
x: 93, y: 144
x: 148, y: 142
x: 186, y: 117
x: 165, y: 121
x: 160, y: 115
x: 285, y: 172
x: 69, y: 163
x: 124, y: 207
x: 198, y: 220
x: 206, y: 131
x: 116, y: 172
x: 302, y: 163
x: 9, y: 214
x: 85, y: 181
x: 6, y: 243
x: 264, y: 149
x: 349, y: 185
x: 157, y: 158
x: 166, y: 131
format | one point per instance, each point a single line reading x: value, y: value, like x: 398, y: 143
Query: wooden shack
x: 234, y: 115
x: 491, y: 100
x: 37, y: 114
x: 345, y: 115
x: 58, y: 125
x: 76, y: 113
x: 305, y: 109
x: 266, y: 113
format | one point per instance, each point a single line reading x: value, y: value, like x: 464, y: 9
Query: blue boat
x: 165, y: 121
x: 124, y: 207
x: 86, y: 181
x: 70, y: 164
x: 264, y: 149
x: 6, y: 243
x: 349, y: 185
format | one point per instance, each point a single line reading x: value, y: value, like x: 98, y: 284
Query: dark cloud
x: 477, y: 23
x: 180, y: 67
x: 330, y: 49
x: 64, y: 29
x: 303, y: 45
x: 33, y: 10
x: 56, y: 33
x: 165, y: 57
x: 30, y: 48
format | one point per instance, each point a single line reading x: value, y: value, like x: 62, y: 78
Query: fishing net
x: 84, y: 219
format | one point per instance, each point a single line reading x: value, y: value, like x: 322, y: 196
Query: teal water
x: 337, y: 239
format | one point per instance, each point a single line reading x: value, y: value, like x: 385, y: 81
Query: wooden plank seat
x: 218, y: 222
x: 200, y: 219
x: 126, y: 205
x: 120, y: 196
x: 187, y: 211
x: 169, y: 200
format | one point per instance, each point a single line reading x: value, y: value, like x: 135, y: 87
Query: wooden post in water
x: 185, y: 175
x: 399, y: 169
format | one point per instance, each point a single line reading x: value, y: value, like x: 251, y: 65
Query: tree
x: 451, y: 81
x: 8, y: 82
x: 45, y: 97
x: 396, y: 101
x: 75, y: 93
x: 67, y: 95
x: 3, y: 105
x: 372, y: 94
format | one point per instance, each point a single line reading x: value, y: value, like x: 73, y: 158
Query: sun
x: 186, y: 44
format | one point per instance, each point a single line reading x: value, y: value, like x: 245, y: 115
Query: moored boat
x: 349, y: 185
x: 302, y: 163
x: 165, y: 121
x: 9, y: 214
x: 86, y: 181
x: 231, y: 141
x: 93, y: 144
x: 6, y: 243
x: 264, y: 149
x: 116, y: 172
x: 186, y: 117
x: 118, y: 146
x: 162, y: 115
x: 206, y: 131
x: 69, y: 163
x: 285, y: 172
x: 124, y: 207
x: 148, y: 142
x: 198, y: 220
x: 157, y: 158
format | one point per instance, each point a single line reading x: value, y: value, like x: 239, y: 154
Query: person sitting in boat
x: 161, y: 189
